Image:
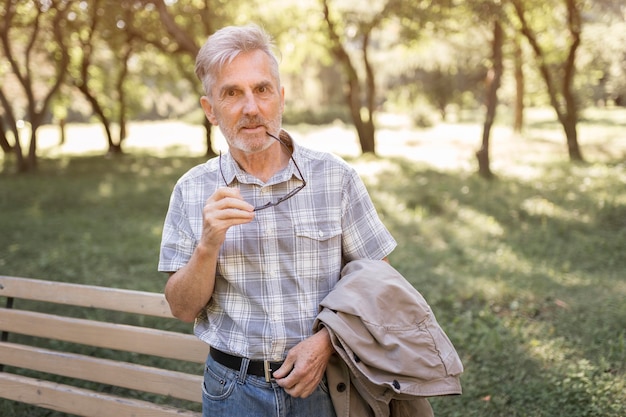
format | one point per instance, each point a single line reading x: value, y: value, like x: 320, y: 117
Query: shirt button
x: 320, y: 233
x: 341, y: 387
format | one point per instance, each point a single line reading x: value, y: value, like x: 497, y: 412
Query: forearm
x: 189, y: 289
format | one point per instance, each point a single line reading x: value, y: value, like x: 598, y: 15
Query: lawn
x: 526, y: 273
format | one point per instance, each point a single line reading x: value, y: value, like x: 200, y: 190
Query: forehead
x: 247, y: 68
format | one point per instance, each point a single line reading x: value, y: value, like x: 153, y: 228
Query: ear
x: 208, y: 110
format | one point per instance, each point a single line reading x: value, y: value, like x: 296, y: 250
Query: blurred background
x: 491, y: 135
x: 114, y: 62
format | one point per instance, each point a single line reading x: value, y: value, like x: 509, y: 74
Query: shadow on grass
x: 76, y: 216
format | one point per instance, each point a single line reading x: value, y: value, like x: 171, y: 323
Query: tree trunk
x: 4, y: 141
x: 5, y: 145
x: 62, y: 131
x: 122, y: 117
x: 32, y: 147
x: 368, y: 129
x: 185, y: 42
x: 518, y: 123
x: 209, y: 141
x: 563, y: 102
x: 97, y: 109
x: 571, y: 133
x: 23, y: 69
x: 22, y: 165
x: 365, y: 130
x: 493, y: 83
x: 115, y: 149
x: 571, y: 105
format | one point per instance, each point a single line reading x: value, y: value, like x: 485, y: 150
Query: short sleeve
x: 364, y: 234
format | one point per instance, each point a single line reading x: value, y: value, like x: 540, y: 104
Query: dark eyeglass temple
x: 294, y: 162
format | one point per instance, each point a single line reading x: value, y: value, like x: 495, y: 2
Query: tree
x: 4, y: 140
x: 184, y: 41
x: 518, y: 62
x: 492, y: 83
x: 181, y: 39
x: 102, y: 80
x: 491, y: 12
x: 602, y: 63
x: 30, y: 32
x: 554, y: 68
x: 359, y: 93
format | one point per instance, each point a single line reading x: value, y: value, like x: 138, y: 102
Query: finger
x: 224, y: 209
x: 230, y: 213
x: 228, y: 198
x: 222, y: 192
x: 284, y: 370
x: 301, y: 389
x: 295, y: 382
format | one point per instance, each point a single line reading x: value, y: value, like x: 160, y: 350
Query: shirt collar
x: 231, y: 169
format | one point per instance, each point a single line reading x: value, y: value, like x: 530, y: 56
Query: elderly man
x: 254, y: 239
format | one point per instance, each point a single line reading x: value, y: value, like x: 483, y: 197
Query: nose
x: 250, y: 105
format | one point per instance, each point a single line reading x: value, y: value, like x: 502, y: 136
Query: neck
x: 263, y: 165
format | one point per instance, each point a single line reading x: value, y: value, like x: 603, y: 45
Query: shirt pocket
x: 318, y: 249
x: 318, y: 231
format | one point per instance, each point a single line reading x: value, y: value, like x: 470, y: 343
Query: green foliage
x: 602, y: 70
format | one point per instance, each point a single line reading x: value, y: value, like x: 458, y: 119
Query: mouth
x: 254, y: 130
x: 252, y: 125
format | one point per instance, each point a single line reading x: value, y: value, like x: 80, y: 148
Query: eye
x: 262, y: 89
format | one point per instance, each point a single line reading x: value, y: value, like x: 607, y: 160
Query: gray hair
x: 224, y: 45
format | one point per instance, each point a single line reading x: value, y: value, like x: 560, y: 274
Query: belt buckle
x: 267, y: 370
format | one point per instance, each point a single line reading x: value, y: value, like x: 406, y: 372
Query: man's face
x: 246, y: 102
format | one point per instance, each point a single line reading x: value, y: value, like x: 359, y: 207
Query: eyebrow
x: 225, y: 88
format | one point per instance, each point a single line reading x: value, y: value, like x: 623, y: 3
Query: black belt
x: 256, y: 368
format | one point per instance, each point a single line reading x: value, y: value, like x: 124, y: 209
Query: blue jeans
x: 230, y: 393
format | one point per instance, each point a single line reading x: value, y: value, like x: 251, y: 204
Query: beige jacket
x: 391, y: 352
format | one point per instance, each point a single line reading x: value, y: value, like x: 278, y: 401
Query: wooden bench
x: 31, y: 373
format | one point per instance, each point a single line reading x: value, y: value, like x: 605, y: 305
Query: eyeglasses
x: 285, y: 197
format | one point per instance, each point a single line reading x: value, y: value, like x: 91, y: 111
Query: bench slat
x: 115, y: 299
x: 68, y: 399
x: 124, y: 337
x: 121, y: 374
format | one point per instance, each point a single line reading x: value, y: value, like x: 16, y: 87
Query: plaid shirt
x: 273, y: 273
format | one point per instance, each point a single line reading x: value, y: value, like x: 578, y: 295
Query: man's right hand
x: 189, y: 289
x: 224, y: 209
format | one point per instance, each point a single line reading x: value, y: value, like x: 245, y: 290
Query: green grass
x: 526, y: 277
x: 88, y: 219
x: 526, y: 273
